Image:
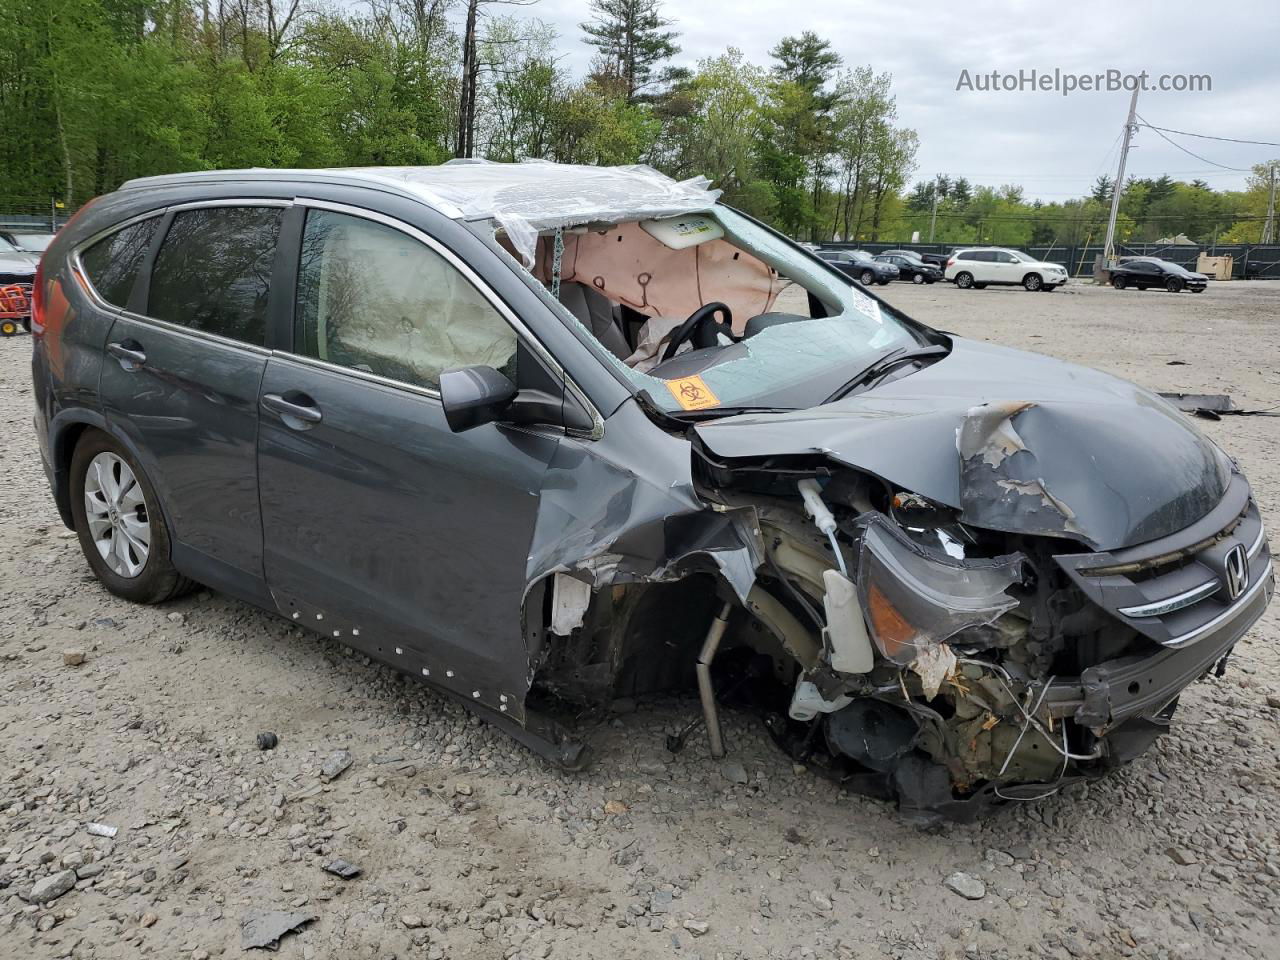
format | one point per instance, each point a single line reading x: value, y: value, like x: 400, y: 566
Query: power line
x: 1205, y: 136
x: 1189, y: 153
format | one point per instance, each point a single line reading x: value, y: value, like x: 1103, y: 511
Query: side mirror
x: 473, y: 396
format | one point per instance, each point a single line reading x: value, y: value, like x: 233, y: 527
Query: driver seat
x: 595, y: 312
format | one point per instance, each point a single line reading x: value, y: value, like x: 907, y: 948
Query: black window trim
x: 285, y: 349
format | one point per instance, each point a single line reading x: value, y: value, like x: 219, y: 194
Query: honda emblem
x: 1235, y: 570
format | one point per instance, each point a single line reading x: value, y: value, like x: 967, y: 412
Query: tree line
x: 94, y: 92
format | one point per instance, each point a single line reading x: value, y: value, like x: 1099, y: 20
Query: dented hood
x: 1015, y: 441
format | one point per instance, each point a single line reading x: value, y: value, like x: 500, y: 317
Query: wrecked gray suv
x: 546, y: 436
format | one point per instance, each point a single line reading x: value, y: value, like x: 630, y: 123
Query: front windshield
x: 801, y: 329
x: 1021, y: 257
x: 34, y: 242
x: 7, y: 247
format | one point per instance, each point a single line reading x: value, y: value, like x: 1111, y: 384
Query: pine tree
x: 632, y: 38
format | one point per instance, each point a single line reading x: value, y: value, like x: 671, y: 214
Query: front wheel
x: 119, y: 523
x: 964, y: 280
x: 917, y: 278
x: 867, y: 278
x: 1173, y: 285
x: 8, y: 328
x: 1032, y: 282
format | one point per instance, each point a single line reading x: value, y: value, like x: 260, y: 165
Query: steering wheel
x: 701, y: 328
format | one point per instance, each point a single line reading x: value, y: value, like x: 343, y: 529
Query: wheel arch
x: 65, y: 434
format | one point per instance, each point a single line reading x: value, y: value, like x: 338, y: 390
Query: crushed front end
x: 949, y: 666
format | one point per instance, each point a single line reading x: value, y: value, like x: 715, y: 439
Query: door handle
x: 128, y: 352
x: 301, y: 409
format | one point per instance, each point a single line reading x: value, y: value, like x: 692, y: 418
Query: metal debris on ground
x: 1214, y: 406
x: 101, y: 829
x: 262, y: 929
x: 341, y: 868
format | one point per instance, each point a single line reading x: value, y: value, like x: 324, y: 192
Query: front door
x: 181, y: 383
x: 383, y: 528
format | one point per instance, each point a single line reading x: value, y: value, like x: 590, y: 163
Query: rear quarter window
x: 112, y: 264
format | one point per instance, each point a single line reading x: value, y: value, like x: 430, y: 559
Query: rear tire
x: 964, y: 280
x: 867, y: 278
x: 8, y: 328
x: 1119, y: 282
x: 127, y: 530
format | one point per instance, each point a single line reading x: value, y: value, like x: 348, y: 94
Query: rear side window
x: 213, y: 271
x: 112, y: 264
x: 967, y: 255
x: 375, y: 299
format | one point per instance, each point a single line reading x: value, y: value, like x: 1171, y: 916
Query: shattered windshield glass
x: 778, y: 354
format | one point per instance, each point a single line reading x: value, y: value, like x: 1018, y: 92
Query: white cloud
x: 1055, y: 146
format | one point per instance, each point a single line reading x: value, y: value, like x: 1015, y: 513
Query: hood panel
x: 1016, y: 441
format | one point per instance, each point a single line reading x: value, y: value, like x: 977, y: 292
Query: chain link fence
x: 34, y: 214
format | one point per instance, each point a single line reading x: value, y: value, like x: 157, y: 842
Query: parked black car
x: 430, y: 412
x: 1147, y: 272
x: 938, y: 260
x: 860, y: 265
x: 911, y: 267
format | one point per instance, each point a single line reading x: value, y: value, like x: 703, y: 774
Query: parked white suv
x: 980, y: 266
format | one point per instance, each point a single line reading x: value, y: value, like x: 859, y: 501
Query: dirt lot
x: 472, y: 847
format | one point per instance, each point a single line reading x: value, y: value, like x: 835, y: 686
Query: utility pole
x: 1130, y: 127
x: 933, y: 219
x: 1269, y: 225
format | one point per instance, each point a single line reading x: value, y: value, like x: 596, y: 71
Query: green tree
x: 633, y: 41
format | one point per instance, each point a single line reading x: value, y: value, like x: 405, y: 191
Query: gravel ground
x: 469, y: 846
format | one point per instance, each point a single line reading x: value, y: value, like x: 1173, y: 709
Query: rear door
x: 182, y: 377
x: 984, y: 266
x: 1007, y: 268
x: 383, y: 527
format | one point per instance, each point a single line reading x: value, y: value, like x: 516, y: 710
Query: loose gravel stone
x: 967, y: 886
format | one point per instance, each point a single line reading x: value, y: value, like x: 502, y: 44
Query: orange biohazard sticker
x: 692, y: 394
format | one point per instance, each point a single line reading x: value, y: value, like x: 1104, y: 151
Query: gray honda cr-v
x: 543, y: 436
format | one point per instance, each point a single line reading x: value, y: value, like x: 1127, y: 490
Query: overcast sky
x: 1054, y: 146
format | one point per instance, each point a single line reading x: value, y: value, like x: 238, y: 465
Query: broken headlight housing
x: 914, y: 598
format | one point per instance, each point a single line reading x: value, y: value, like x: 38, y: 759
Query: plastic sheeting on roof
x: 537, y: 195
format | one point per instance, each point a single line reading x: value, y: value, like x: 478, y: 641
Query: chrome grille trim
x: 1157, y: 608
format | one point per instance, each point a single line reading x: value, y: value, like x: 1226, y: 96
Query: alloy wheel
x: 116, y: 510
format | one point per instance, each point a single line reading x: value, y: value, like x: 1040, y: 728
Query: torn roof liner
x: 534, y: 195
